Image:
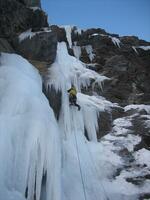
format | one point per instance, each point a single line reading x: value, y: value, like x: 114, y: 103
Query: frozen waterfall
x: 29, y: 137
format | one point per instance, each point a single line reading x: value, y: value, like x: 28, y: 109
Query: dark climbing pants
x: 73, y: 101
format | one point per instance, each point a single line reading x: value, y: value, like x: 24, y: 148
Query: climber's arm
x: 69, y: 90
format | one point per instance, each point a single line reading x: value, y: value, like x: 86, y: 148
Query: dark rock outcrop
x: 31, y: 3
x: 54, y: 98
x: 15, y: 18
x: 5, y: 46
x: 60, y: 33
x: 41, y: 47
x: 132, y: 41
x: 106, y: 119
x: 129, y: 70
x: 19, y: 16
x: 127, y: 67
x: 104, y: 123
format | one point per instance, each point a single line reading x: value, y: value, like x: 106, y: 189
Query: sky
x: 123, y: 17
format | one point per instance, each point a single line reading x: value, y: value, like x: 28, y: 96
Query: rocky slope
x: 125, y: 61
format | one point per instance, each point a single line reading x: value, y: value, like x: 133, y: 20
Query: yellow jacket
x: 72, y: 91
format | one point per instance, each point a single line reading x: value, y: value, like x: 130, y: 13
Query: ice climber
x: 72, y: 97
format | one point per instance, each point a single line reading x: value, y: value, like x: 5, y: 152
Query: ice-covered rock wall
x: 78, y: 165
x: 99, y: 170
x: 29, y: 137
x: 68, y: 70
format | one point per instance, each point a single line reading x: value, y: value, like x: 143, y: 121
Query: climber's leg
x: 75, y: 102
x: 71, y: 100
x: 79, y: 107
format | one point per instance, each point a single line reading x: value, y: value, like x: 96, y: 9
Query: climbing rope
x: 93, y: 164
x: 81, y: 174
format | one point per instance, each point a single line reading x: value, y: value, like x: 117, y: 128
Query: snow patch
x: 89, y: 51
x: 35, y: 8
x: 146, y: 48
x: 29, y: 34
x: 122, y: 122
x: 96, y: 34
x: 143, y: 157
x: 138, y: 107
x: 129, y: 141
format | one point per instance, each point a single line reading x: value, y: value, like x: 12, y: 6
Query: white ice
x: 29, y: 140
x: 89, y: 51
x: 134, y: 48
x: 29, y: 34
x: 77, y: 155
x: 146, y: 48
x: 86, y: 167
x: 35, y: 8
x: 77, y: 51
x: 68, y: 69
x: 116, y: 41
x: 138, y: 107
x: 143, y: 157
x: 68, y: 30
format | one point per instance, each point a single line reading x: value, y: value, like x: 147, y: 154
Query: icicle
x: 29, y: 131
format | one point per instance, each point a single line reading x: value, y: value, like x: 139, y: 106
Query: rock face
x: 119, y: 58
x: 60, y: 33
x: 31, y: 3
x: 128, y: 70
x: 54, y: 98
x: 15, y: 18
x: 5, y: 46
x: 41, y: 47
x: 20, y: 16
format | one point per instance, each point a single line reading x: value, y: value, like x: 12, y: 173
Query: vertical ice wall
x: 80, y: 181
x: 69, y: 70
x: 29, y: 141
x: 68, y: 30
